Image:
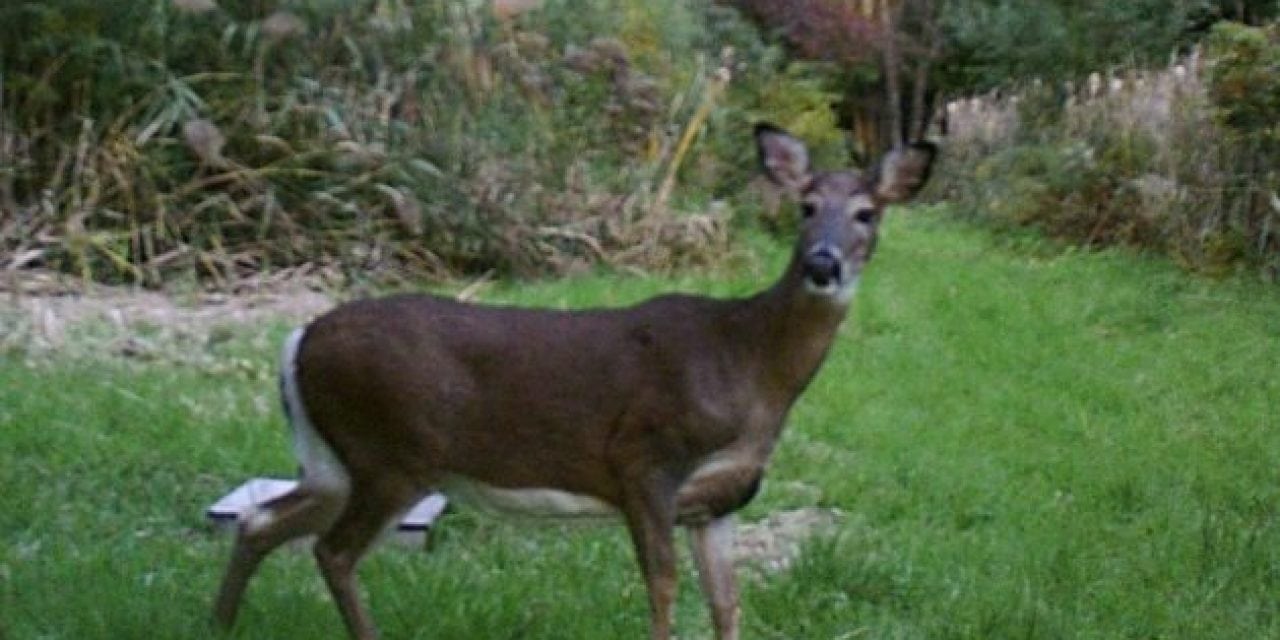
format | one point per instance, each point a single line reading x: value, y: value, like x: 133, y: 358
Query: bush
x: 1180, y: 160
x: 140, y: 141
x: 1244, y: 81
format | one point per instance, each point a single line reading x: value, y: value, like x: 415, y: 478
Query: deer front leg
x: 712, y: 546
x: 706, y: 504
x: 651, y: 518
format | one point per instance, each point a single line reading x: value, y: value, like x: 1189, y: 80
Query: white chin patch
x: 837, y: 292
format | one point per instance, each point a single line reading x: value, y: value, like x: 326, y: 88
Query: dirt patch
x: 772, y: 544
x: 46, y: 317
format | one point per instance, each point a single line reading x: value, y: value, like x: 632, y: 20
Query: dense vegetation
x: 148, y: 141
x: 1180, y: 159
x: 994, y: 41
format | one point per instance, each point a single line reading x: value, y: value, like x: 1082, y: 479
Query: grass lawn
x: 1025, y: 443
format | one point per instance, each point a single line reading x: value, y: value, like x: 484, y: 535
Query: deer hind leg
x: 368, y: 513
x: 300, y: 512
x: 712, y: 545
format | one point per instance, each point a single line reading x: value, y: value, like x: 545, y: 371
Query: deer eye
x: 807, y: 209
x: 865, y: 216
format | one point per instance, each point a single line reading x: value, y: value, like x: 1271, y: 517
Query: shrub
x: 140, y: 141
x: 1179, y: 160
x: 1244, y: 80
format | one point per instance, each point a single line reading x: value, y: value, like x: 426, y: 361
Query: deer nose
x: 822, y: 266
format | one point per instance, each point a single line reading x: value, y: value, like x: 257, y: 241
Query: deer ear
x: 904, y: 171
x: 783, y: 157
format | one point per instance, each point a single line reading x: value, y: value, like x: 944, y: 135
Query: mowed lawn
x: 1024, y: 442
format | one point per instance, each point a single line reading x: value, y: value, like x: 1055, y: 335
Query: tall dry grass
x: 1141, y: 157
x: 217, y: 142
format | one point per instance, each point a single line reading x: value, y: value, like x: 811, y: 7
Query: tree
x: 897, y: 56
x: 885, y: 50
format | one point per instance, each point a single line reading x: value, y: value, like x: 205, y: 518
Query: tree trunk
x: 922, y: 100
x: 920, y: 115
x: 893, y: 91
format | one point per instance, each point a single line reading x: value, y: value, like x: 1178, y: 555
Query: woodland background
x: 380, y: 141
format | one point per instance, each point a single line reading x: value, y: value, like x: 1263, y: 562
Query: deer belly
x: 540, y: 503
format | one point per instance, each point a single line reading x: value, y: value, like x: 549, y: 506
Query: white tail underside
x: 321, y: 468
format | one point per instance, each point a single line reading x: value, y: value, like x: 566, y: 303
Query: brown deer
x: 664, y: 413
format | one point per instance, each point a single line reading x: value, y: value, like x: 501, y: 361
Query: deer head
x: 842, y: 210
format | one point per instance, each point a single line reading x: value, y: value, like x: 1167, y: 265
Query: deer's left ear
x: 904, y: 171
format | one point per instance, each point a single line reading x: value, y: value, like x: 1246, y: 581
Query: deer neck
x: 794, y: 331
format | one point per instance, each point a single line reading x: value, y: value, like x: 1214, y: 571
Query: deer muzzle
x: 824, y: 267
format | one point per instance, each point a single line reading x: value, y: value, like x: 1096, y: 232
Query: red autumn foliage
x: 817, y: 29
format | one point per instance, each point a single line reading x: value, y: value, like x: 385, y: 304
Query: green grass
x: 1026, y: 443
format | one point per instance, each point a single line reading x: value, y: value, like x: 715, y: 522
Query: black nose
x: 822, y: 267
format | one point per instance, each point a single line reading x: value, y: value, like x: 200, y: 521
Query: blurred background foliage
x: 143, y: 141
x: 228, y: 141
x: 1178, y: 158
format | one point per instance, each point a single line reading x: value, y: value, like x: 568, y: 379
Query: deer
x: 663, y: 414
